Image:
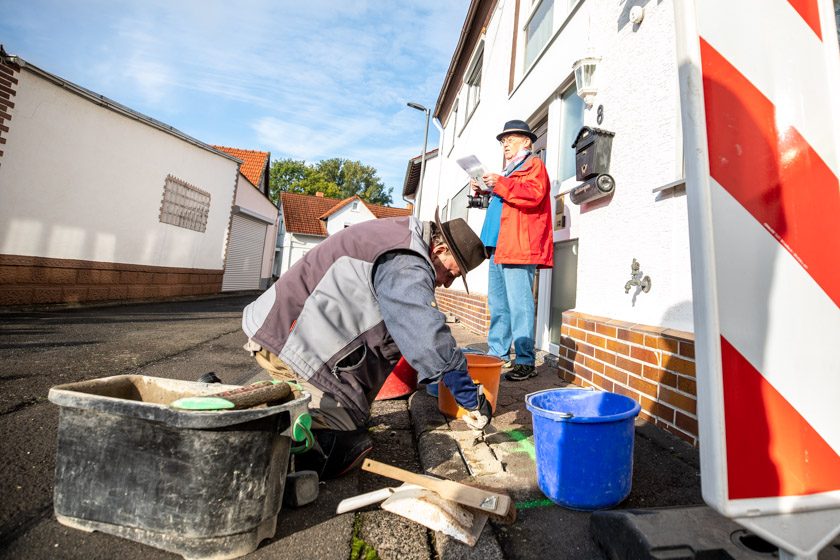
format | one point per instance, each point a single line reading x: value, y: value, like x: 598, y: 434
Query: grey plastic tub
x: 199, y: 484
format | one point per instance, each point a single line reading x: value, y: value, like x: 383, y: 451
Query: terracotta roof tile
x: 306, y: 214
x: 387, y: 211
x: 253, y: 162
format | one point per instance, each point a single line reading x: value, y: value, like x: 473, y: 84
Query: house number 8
x: 600, y: 114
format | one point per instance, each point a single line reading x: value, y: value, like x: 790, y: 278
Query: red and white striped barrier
x: 760, y: 84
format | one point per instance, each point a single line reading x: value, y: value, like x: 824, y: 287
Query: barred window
x: 184, y: 205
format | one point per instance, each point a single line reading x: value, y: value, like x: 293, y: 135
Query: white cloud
x: 310, y: 80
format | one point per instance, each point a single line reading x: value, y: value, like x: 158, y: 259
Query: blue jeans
x: 510, y: 298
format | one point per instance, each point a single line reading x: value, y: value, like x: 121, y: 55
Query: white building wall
x: 429, y: 191
x: 638, y: 89
x: 295, y: 246
x: 347, y: 216
x: 247, y: 196
x: 80, y: 181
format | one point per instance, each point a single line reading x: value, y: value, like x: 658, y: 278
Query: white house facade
x: 595, y: 317
x: 99, y: 202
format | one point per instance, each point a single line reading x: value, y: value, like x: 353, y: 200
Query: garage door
x: 245, y: 253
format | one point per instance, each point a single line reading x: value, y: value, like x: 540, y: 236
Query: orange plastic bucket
x: 483, y: 369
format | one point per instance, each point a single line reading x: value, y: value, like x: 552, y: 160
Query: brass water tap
x: 643, y: 283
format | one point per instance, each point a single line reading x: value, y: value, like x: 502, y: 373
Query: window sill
x: 673, y: 185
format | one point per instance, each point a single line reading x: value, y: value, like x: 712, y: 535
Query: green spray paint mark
x: 523, y: 445
x: 530, y: 504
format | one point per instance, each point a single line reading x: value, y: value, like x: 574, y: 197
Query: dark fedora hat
x: 464, y: 244
x: 519, y: 127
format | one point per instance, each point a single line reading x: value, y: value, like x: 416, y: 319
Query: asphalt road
x: 44, y: 348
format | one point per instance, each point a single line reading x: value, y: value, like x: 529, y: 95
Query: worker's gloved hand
x: 479, y: 418
x: 470, y: 397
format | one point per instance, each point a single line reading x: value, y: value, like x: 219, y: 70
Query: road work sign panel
x: 759, y: 84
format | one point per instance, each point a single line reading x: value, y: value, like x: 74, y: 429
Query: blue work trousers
x: 510, y: 298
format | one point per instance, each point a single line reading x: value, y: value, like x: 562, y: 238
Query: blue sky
x: 309, y: 79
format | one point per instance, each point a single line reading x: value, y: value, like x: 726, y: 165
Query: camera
x: 479, y: 200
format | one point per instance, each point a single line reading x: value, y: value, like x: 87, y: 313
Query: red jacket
x: 526, y: 234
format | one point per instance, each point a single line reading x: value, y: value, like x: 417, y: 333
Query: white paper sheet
x: 474, y: 169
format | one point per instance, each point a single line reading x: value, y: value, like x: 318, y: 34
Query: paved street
x: 40, y: 349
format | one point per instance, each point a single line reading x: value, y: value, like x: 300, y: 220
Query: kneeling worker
x: 339, y: 320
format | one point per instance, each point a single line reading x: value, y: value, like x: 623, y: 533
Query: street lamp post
x: 422, y: 155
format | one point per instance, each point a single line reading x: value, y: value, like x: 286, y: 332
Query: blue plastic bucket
x: 584, y: 446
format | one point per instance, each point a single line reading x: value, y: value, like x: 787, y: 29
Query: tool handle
x: 257, y: 393
x: 447, y: 489
x: 356, y: 502
x: 402, y: 475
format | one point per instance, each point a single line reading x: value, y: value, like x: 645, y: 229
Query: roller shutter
x: 245, y: 253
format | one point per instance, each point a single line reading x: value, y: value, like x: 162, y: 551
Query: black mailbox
x: 592, y: 147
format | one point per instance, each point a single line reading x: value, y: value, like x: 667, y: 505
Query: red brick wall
x: 651, y: 365
x: 8, y: 86
x: 36, y: 280
x: 470, y: 309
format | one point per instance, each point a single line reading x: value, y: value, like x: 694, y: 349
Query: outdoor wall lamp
x: 585, y: 84
x: 422, y: 154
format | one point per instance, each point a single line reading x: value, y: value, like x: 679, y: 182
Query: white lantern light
x: 584, y: 70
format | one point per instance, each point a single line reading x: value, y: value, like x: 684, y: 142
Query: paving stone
x: 391, y: 413
x: 440, y: 455
x: 394, y: 537
x: 424, y: 413
x: 487, y: 547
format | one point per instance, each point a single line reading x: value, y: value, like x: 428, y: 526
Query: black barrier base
x: 681, y: 533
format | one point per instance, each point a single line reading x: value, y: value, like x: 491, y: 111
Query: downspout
x: 439, y: 128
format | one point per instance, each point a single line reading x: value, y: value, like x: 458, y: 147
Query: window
x: 355, y: 207
x: 458, y: 205
x: 538, y: 29
x: 450, y: 128
x: 184, y: 205
x: 570, y: 124
x: 472, y: 84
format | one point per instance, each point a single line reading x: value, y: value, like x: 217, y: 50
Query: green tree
x: 355, y: 178
x: 335, y: 177
x: 290, y: 175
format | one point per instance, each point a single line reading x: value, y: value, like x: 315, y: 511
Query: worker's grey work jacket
x: 322, y: 317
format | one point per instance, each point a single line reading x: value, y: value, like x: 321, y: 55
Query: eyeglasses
x: 509, y: 139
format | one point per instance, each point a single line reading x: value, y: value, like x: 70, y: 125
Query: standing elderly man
x: 518, y: 235
x: 339, y: 320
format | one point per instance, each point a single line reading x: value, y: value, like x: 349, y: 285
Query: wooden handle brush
x: 498, y: 505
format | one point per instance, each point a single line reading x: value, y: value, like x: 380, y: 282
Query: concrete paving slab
x: 487, y: 547
x: 394, y: 537
x: 425, y: 415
